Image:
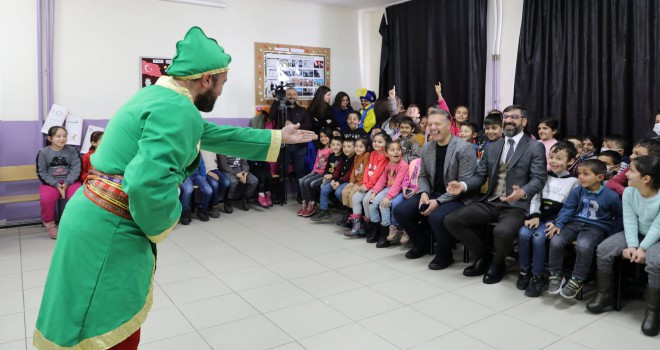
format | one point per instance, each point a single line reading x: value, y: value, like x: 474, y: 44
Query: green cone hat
x: 197, y: 55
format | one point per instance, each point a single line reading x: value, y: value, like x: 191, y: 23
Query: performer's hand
x: 288, y: 122
x: 629, y: 253
x: 292, y: 134
x: 454, y: 188
x: 516, y: 195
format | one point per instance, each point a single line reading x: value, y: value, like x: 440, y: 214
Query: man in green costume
x: 99, y: 287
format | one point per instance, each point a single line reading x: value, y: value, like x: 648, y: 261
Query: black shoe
x: 495, y: 273
x: 203, y: 213
x: 228, y: 208
x: 322, y: 215
x: 245, y: 203
x: 415, y: 253
x: 535, y: 287
x: 439, y: 263
x: 480, y: 266
x: 343, y: 220
x: 523, y: 279
x: 382, y: 237
x: 185, y: 217
x: 214, y: 212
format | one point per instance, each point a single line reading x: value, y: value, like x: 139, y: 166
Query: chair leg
x: 617, y: 271
x: 466, y: 255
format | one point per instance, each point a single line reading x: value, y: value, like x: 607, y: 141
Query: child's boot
x: 404, y: 235
x: 604, y: 298
x: 393, y: 232
x: 203, y: 213
x: 356, y: 225
x: 372, y: 232
x: 52, y: 229
x: 303, y: 208
x: 269, y: 198
x: 651, y: 323
x: 382, y: 236
x: 261, y: 199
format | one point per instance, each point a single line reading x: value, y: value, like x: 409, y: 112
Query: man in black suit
x: 515, y: 168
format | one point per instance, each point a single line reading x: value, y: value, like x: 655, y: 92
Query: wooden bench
x: 18, y: 173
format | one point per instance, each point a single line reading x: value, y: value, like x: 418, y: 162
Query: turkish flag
x: 150, y: 69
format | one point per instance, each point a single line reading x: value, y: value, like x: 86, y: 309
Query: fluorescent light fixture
x: 209, y: 3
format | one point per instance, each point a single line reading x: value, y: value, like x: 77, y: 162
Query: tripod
x: 283, y: 160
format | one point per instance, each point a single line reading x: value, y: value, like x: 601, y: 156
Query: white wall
x: 511, y: 19
x: 18, y: 60
x: 370, y: 47
x: 98, y: 43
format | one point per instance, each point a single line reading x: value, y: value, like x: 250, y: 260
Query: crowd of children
x: 602, y: 202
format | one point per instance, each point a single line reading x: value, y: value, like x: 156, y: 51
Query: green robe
x: 99, y: 287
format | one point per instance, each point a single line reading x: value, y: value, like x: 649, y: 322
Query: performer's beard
x: 205, y: 101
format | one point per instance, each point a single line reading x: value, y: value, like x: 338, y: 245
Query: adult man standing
x: 515, y: 168
x: 100, y: 283
x: 447, y: 159
x: 295, y: 114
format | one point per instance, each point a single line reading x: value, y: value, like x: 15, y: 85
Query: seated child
x: 544, y: 208
x: 95, y: 140
x: 242, y: 183
x: 589, y: 214
x: 409, y: 144
x: 421, y: 132
x: 409, y: 188
x: 645, y: 147
x: 639, y: 242
x: 354, y: 131
x: 387, y: 188
x: 612, y: 160
x: 360, y: 163
x: 198, y: 178
x: 339, y: 180
x: 577, y: 142
x: 547, y: 130
x: 330, y: 167
x: 493, y: 131
x: 469, y: 132
x: 588, y: 147
x: 217, y: 180
x: 618, y: 144
x: 58, y: 168
x: 310, y: 184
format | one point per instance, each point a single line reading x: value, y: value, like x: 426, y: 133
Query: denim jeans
x: 531, y: 248
x: 393, y: 204
x: 308, y: 185
x: 339, y: 189
x: 326, y: 189
x: 187, y: 190
x: 587, y: 238
x: 378, y: 213
x: 219, y: 187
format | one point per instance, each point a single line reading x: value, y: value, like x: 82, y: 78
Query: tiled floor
x: 266, y: 279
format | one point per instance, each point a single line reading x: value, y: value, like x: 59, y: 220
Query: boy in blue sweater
x: 198, y: 178
x: 589, y: 214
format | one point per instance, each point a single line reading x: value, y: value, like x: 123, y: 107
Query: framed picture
x: 305, y: 68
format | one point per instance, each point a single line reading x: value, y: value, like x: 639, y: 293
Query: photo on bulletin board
x: 151, y: 69
x: 307, y: 68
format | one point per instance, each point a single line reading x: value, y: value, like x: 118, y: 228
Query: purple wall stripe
x: 19, y: 143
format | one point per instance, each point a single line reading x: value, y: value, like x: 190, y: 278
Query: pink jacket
x: 392, y: 177
x: 321, y: 160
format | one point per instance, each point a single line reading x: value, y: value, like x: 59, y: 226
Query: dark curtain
x: 594, y: 65
x: 426, y: 41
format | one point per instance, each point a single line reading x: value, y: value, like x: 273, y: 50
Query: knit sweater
x: 392, y: 177
x: 375, y: 167
x: 547, y: 204
x: 331, y: 164
x: 641, y: 216
x: 360, y: 163
x: 601, y: 208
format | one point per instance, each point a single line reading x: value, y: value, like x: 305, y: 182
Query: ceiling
x: 354, y: 4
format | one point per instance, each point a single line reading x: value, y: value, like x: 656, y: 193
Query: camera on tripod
x: 279, y: 92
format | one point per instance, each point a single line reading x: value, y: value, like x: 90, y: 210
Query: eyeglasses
x: 511, y: 116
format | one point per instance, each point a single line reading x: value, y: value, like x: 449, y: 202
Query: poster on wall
x: 55, y: 117
x: 151, y: 69
x: 305, y: 68
x: 74, y: 125
x: 87, y: 143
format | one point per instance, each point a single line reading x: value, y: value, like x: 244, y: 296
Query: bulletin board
x: 306, y: 67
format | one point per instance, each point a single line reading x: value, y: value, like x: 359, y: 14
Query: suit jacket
x: 527, y: 169
x: 460, y: 163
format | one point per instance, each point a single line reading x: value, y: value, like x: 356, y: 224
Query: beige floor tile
x: 505, y: 332
x: 405, y: 327
x: 241, y: 335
